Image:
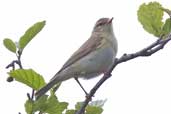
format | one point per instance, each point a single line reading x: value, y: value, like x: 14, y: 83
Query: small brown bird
x: 93, y: 58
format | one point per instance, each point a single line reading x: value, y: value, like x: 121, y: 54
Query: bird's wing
x: 89, y: 46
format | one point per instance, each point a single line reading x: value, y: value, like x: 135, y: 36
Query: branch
x: 148, y: 51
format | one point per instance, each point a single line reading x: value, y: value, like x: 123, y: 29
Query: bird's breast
x: 97, y: 62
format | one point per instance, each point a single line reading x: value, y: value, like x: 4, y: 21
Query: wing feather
x: 89, y: 46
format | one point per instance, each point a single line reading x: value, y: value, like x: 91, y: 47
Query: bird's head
x: 103, y: 25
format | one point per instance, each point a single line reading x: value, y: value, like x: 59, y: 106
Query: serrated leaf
x: 9, y: 44
x: 30, y: 34
x: 98, y: 103
x: 51, y: 105
x: 150, y: 16
x: 166, y: 27
x: 70, y: 112
x: 29, y: 106
x: 39, y: 104
x: 54, y: 106
x: 28, y: 77
x: 94, y: 110
x: 57, y: 108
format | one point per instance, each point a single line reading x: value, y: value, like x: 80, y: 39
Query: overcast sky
x: 139, y: 86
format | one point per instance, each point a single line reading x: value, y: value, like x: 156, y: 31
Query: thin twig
x: 12, y: 64
x: 19, y: 59
x: 148, y: 51
x: 28, y: 95
x: 32, y: 95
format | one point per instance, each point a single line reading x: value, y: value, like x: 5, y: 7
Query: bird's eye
x: 99, y: 24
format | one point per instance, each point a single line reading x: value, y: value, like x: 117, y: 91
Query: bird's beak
x: 110, y: 20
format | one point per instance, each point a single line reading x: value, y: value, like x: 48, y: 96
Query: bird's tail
x: 48, y: 86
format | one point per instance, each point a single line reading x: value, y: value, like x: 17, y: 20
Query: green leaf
x: 93, y: 110
x: 50, y: 105
x: 29, y: 106
x: 10, y: 45
x: 166, y: 27
x: 40, y: 104
x: 30, y: 34
x: 28, y: 77
x: 54, y: 106
x: 150, y: 16
x: 70, y: 111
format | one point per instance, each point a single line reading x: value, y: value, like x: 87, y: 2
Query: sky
x: 139, y: 86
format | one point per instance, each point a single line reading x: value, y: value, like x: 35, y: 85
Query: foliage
x: 28, y: 77
x: 45, y: 104
x: 10, y: 45
x: 30, y: 34
x: 151, y: 17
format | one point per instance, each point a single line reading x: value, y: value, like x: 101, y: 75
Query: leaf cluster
x: 151, y: 17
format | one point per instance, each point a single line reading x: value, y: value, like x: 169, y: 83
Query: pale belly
x: 95, y: 63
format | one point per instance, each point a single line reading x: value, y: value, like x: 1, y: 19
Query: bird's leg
x: 81, y: 86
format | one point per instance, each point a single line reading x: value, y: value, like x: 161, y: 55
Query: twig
x: 12, y: 64
x: 18, y: 62
x: 28, y: 95
x: 148, y: 51
x: 19, y: 59
x: 32, y: 95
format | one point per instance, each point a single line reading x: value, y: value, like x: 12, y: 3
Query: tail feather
x: 59, y: 77
x: 48, y: 86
